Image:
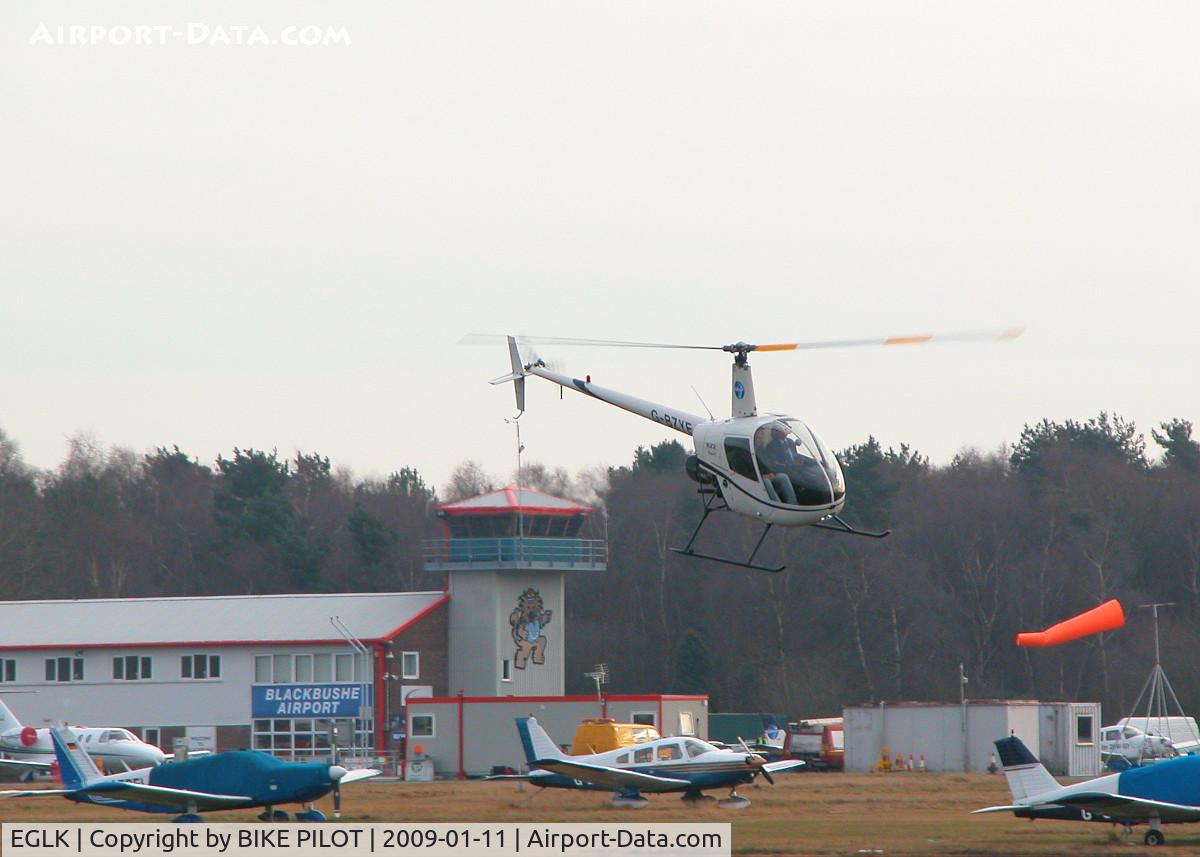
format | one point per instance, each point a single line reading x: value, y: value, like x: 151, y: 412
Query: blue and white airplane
x: 686, y: 765
x: 238, y: 779
x: 1164, y: 793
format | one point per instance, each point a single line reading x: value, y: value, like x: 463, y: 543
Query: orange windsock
x: 1107, y: 617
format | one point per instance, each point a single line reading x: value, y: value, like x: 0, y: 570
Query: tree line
x: 993, y: 543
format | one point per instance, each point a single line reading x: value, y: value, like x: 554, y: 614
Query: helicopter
x: 771, y: 467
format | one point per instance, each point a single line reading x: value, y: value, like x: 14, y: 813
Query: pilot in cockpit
x: 776, y: 455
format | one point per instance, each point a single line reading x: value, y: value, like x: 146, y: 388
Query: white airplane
x: 686, y: 765
x: 30, y: 750
x: 1134, y: 745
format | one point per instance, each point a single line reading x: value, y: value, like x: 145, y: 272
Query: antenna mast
x: 1156, y: 691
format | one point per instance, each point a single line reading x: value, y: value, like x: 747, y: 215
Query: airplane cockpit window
x: 669, y: 752
x: 695, y: 748
x: 121, y: 735
x: 797, y: 469
x: 623, y: 759
x: 643, y: 756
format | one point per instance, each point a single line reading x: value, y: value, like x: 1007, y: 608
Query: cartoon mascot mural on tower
x: 527, y: 622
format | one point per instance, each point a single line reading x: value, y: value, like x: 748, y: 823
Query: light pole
x: 361, y: 653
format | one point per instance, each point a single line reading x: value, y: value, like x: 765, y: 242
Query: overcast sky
x: 218, y: 245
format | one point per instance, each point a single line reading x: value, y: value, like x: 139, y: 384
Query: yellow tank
x: 597, y: 735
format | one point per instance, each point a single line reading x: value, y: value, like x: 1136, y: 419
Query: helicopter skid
x: 773, y: 569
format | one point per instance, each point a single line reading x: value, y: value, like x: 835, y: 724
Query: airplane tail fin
x: 1025, y: 774
x: 538, y: 745
x: 75, y: 765
x: 8, y: 720
x: 517, y: 376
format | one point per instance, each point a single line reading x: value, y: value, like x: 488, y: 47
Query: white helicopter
x: 771, y: 467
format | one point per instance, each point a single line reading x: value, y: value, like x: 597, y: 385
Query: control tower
x: 507, y: 554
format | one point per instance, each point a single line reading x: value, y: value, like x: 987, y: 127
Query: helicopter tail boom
x: 672, y: 418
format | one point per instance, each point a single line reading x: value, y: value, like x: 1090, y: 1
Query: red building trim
x: 391, y: 635
x: 386, y: 638
x: 660, y: 698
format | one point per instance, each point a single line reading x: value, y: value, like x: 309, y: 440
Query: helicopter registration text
x: 672, y: 421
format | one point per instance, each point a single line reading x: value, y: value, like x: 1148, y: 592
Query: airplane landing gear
x: 1154, y: 836
x: 192, y: 816
x: 274, y: 816
x: 696, y: 798
x: 734, y: 801
x: 629, y: 800
x: 310, y: 814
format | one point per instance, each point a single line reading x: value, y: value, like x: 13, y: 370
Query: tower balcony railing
x: 463, y: 554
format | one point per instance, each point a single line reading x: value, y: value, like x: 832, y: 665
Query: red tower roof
x: 513, y: 499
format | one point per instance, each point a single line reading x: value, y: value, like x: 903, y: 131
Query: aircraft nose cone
x: 336, y: 772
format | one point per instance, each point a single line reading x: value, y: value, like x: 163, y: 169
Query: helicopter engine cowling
x: 696, y: 473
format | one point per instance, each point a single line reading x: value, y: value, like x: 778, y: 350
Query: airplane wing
x: 783, y: 765
x: 1124, y: 806
x: 613, y: 778
x: 37, y: 793
x: 14, y: 764
x: 1012, y: 808
x: 359, y: 774
x: 162, y: 796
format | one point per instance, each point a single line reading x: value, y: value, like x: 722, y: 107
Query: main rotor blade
x: 492, y: 338
x: 915, y: 339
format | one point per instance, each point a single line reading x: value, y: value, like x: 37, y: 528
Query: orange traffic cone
x: 898, y: 765
x: 1107, y: 617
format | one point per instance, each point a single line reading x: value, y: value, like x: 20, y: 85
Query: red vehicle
x: 818, y: 742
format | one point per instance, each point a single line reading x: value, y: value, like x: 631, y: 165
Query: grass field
x: 805, y: 814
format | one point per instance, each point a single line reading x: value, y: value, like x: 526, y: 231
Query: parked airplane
x: 238, y: 779
x: 686, y: 765
x: 30, y: 750
x: 1164, y: 793
x: 1134, y: 746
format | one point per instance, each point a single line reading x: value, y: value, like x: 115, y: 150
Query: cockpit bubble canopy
x: 796, y: 466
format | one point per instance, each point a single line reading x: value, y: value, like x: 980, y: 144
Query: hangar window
x: 322, y: 668
x: 304, y: 669
x: 645, y: 718
x: 8, y: 669
x: 422, y: 726
x: 200, y: 666
x: 283, y: 669
x: 410, y: 665
x: 64, y: 669
x: 131, y: 668
x: 506, y: 670
x: 1083, y: 729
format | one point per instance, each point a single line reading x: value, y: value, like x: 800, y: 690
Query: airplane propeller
x: 336, y: 773
x: 340, y: 776
x: 756, y: 760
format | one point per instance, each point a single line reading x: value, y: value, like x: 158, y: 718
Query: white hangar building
x: 274, y: 672
x: 281, y: 672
